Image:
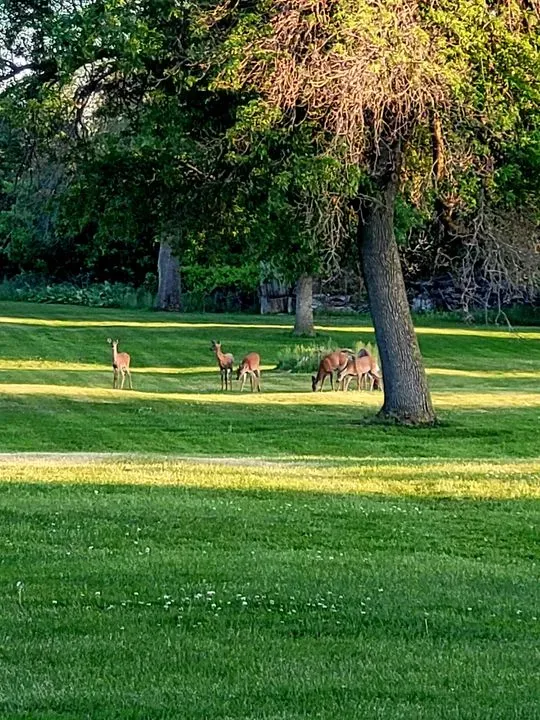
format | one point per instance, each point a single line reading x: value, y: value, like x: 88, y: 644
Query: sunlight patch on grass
x: 61, y: 366
x: 158, y: 325
x: 517, y: 334
x: 445, y: 400
x: 495, y: 374
x: 444, y: 479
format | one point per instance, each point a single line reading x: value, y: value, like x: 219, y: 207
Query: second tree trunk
x: 303, y: 322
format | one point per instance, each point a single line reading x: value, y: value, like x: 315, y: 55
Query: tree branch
x: 10, y: 70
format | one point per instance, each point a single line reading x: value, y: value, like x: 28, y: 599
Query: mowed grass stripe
x: 445, y: 400
x: 247, y: 323
x: 426, y: 479
x: 57, y: 365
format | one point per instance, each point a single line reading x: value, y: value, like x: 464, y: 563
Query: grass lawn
x: 300, y: 563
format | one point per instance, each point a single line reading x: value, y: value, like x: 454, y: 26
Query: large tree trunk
x: 406, y: 393
x: 303, y: 323
x: 169, y: 296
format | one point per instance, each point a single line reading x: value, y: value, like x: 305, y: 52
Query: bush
x: 105, y: 294
x: 219, y: 301
x: 306, y: 358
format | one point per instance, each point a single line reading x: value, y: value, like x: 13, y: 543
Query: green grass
x: 314, y: 566
x: 55, y: 393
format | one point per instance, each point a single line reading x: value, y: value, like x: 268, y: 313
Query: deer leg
x: 115, y: 379
x: 243, y: 382
x: 258, y: 381
x: 129, y: 378
x: 122, y: 372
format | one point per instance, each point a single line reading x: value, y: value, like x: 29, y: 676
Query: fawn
x: 336, y: 360
x: 364, y: 368
x: 120, y: 363
x: 250, y: 365
x: 225, y: 362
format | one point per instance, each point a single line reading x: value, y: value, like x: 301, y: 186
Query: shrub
x: 105, y: 294
x: 306, y: 358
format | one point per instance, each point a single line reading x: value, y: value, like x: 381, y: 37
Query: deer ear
x: 109, y: 340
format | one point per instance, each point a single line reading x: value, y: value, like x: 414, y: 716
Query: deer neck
x: 114, y: 354
x: 221, y: 357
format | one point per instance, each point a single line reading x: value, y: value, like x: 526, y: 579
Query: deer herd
x: 345, y: 364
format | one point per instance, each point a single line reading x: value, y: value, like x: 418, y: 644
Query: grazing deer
x: 364, y: 368
x: 334, y: 361
x: 120, y: 363
x: 225, y: 362
x: 250, y: 365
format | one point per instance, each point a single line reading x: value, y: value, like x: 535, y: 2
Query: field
x: 178, y: 552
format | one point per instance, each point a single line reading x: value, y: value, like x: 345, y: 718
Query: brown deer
x: 250, y: 365
x: 225, y: 363
x: 120, y: 363
x: 334, y: 361
x: 364, y: 368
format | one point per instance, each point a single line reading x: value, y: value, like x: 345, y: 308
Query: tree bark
x: 169, y: 295
x: 303, y: 322
x: 406, y: 394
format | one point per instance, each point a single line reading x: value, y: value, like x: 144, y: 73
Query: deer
x: 364, y: 368
x: 334, y: 361
x: 120, y: 363
x: 250, y: 365
x: 225, y: 363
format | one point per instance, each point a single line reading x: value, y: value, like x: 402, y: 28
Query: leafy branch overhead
x: 465, y: 74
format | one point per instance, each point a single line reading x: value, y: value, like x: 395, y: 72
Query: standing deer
x: 225, y: 363
x: 336, y: 360
x: 250, y: 365
x: 364, y: 368
x: 120, y: 363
